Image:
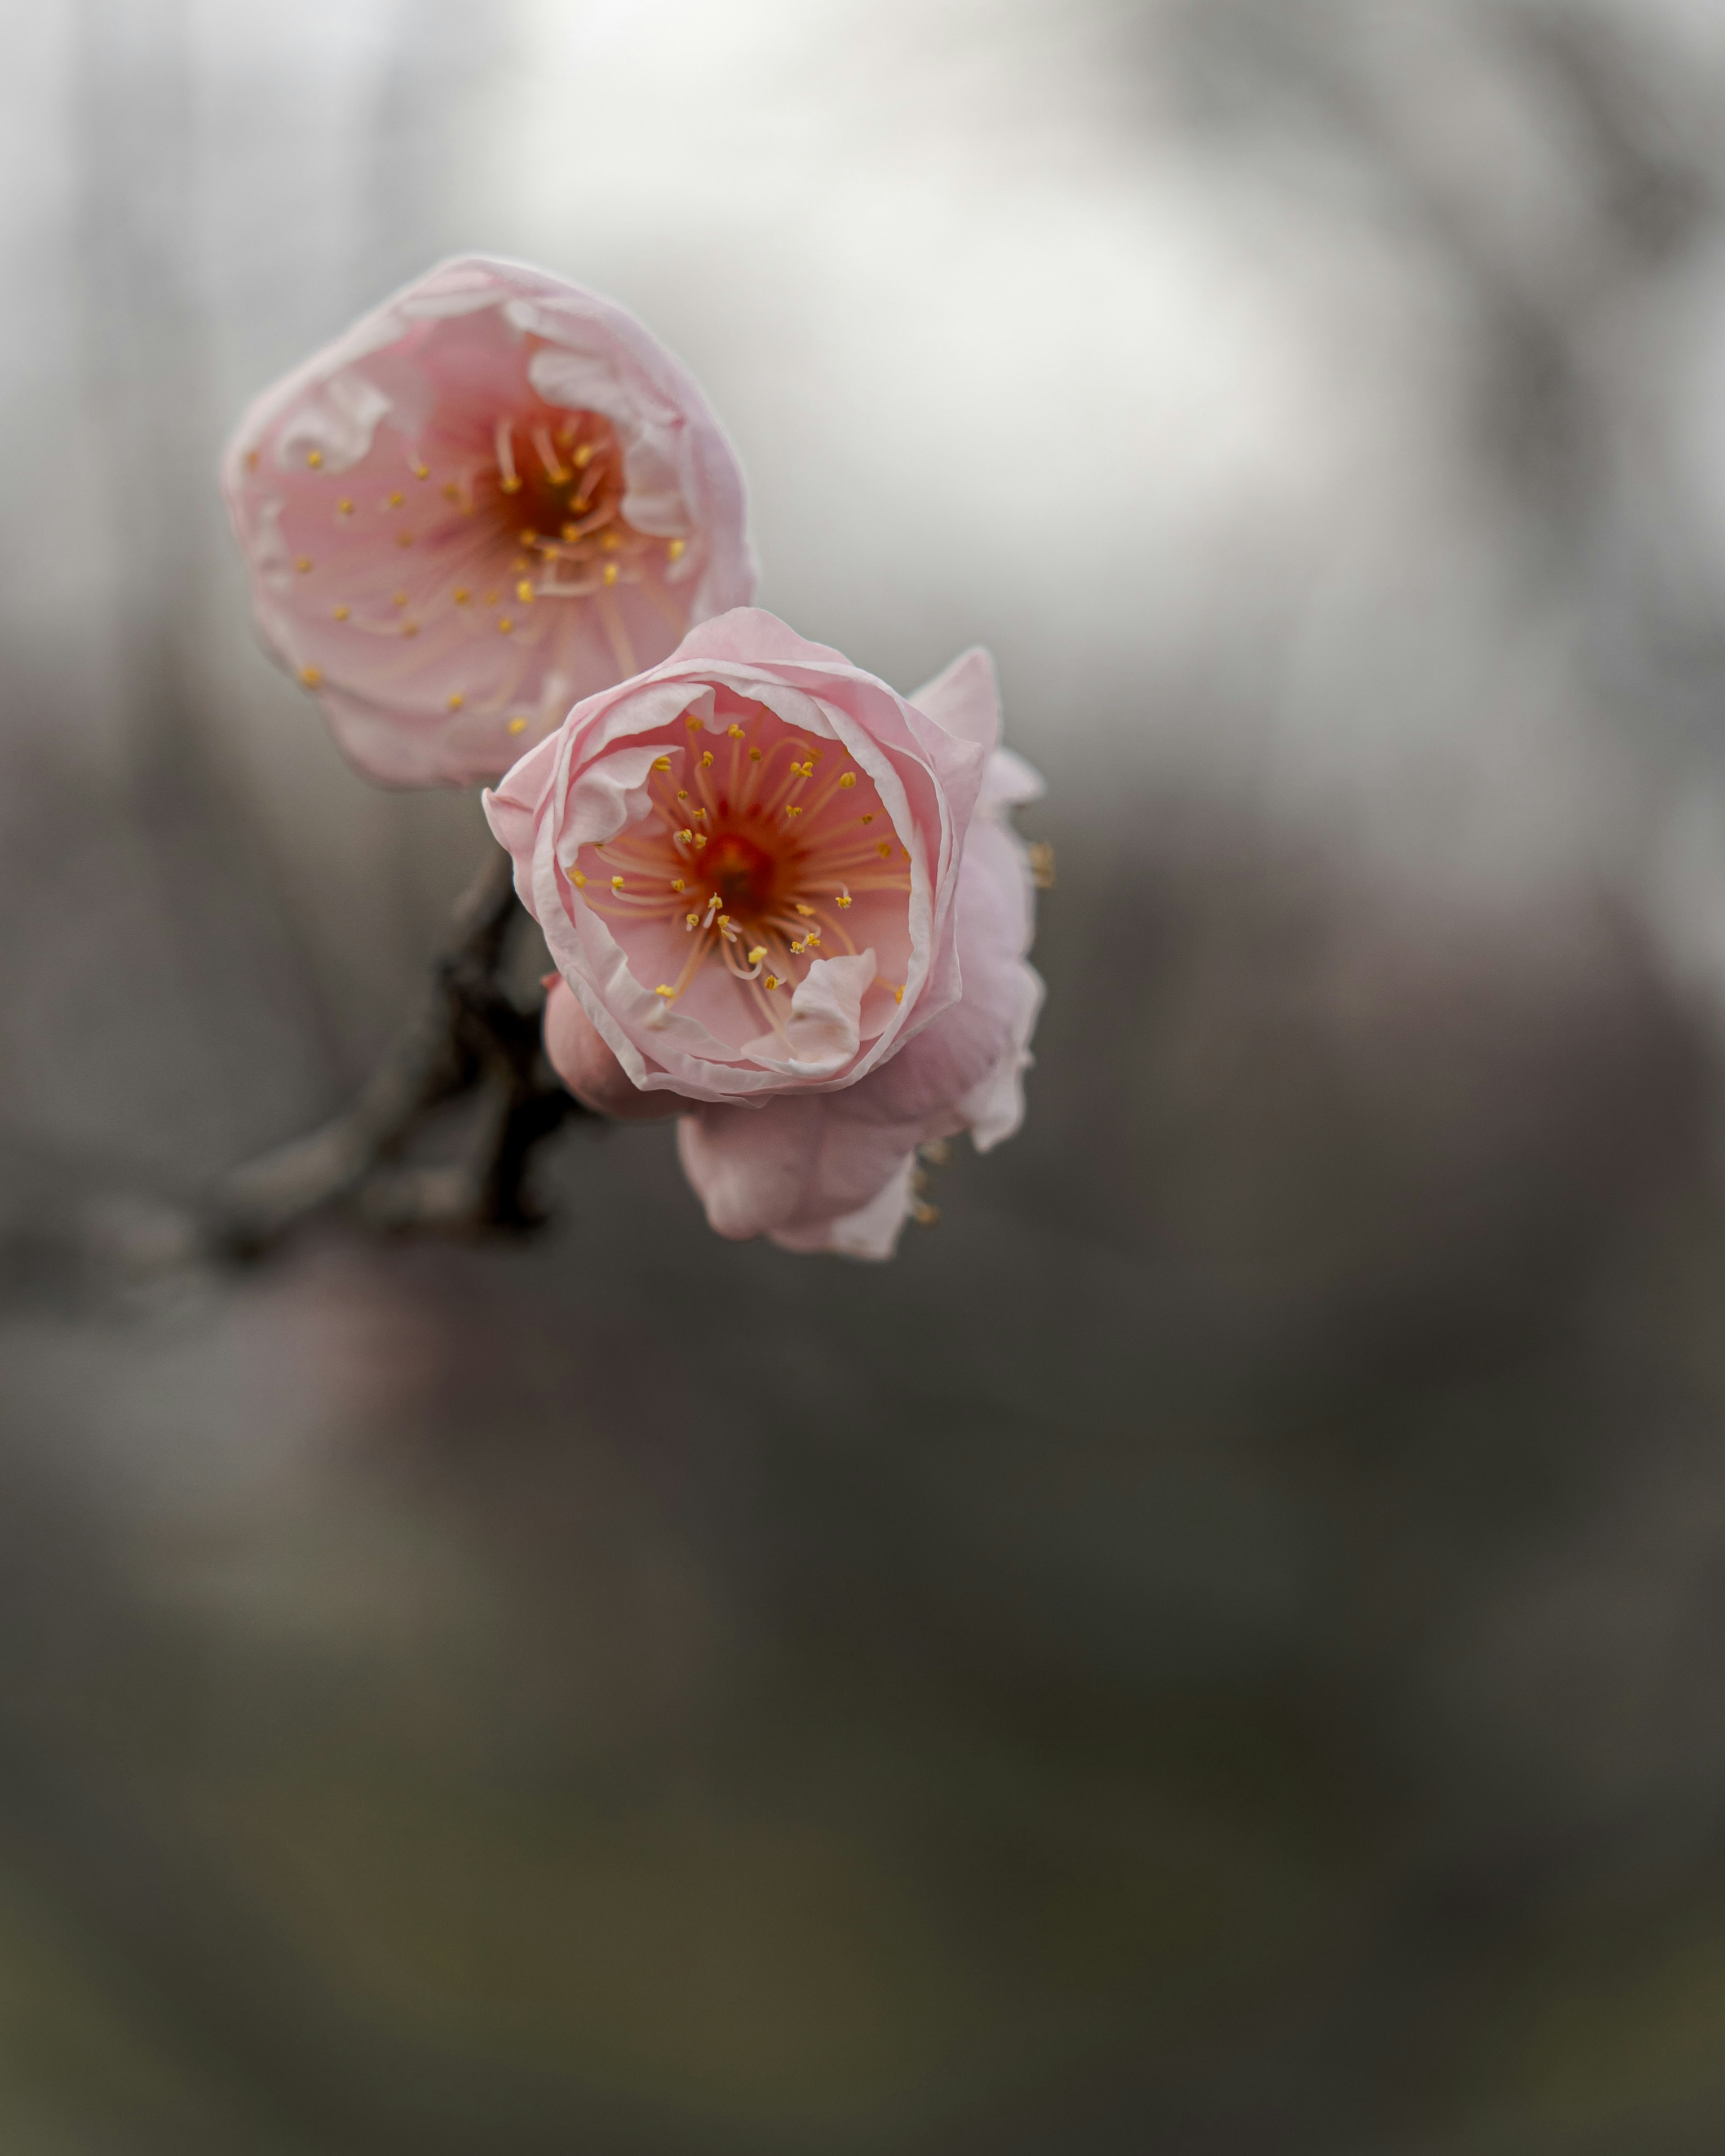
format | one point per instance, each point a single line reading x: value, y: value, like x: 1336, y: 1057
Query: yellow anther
x: 772, y: 981
x: 884, y: 850
x: 724, y: 921
x: 706, y: 759
x: 662, y: 763
x: 682, y: 793
x: 610, y: 575
x: 848, y: 781
x: 451, y: 491
x: 796, y: 950
x: 572, y: 532
x: 395, y: 502
x: 661, y: 990
x: 582, y: 457
x: 697, y: 813
x: 898, y: 995
x: 510, y: 485
x: 398, y: 599
x: 844, y: 901
x: 674, y: 552
x: 699, y: 841
x: 403, y: 538
x: 757, y: 954
x: 691, y: 920
x: 811, y: 938
x: 577, y: 878
x: 312, y: 676
x: 520, y: 726
x: 505, y: 626
x: 461, y: 595
x: 345, y: 507
x: 754, y: 756
x: 342, y: 613
x: 692, y: 723
x: 421, y: 471
x: 617, y: 883
x: 251, y: 461
x: 609, y: 542
x: 735, y: 732
x: 791, y: 808
x: 869, y: 818
x: 524, y: 592
x: 456, y: 700
x: 303, y: 564
x: 410, y: 629
x: 528, y: 539
x: 314, y: 457
x: 805, y: 910
x: 686, y: 833
x: 678, y: 884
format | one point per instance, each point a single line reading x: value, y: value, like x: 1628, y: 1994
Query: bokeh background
x: 1221, y: 1647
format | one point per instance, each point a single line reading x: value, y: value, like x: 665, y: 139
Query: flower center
x: 763, y: 853
x: 743, y: 872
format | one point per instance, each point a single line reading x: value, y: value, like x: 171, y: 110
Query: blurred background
x: 1221, y: 1647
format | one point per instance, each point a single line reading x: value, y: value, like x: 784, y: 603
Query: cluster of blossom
x: 497, y: 531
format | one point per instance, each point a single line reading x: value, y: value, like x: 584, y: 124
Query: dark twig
x: 469, y: 1038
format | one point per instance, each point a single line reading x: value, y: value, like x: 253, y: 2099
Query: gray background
x: 1221, y: 1647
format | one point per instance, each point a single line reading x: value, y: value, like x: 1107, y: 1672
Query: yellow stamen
x: 505, y: 626
x: 456, y: 700
x: 692, y: 723
x: 520, y: 726
x: 706, y: 759
x: 312, y: 676
x: 772, y: 981
x: 342, y: 613
x: 345, y: 507
x: 398, y: 599
x: 678, y: 884
x: 693, y: 920
x: 898, y: 995
x: 314, y: 457
x: 461, y: 595
x: 754, y: 756
x: 884, y: 850
x: 848, y: 781
x: 661, y: 990
x: 735, y: 733
x: 610, y: 575
x: 524, y: 592
x: 617, y: 883
x: 582, y: 457
x: 421, y: 471
x: 757, y: 954
x: 869, y: 818
x: 577, y: 878
x: 395, y: 502
x: 662, y: 763
x: 674, y: 552
x: 303, y: 564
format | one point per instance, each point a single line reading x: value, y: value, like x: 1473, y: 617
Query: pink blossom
x: 785, y: 903
x: 493, y: 496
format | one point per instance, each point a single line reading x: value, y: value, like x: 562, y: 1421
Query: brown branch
x: 469, y: 1037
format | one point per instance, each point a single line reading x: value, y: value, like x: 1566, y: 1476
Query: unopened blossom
x: 784, y: 903
x: 494, y: 496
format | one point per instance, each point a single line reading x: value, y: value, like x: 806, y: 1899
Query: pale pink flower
x: 491, y: 497
x: 785, y: 903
